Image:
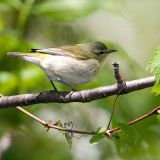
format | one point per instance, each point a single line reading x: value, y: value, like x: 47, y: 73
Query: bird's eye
x: 99, y: 51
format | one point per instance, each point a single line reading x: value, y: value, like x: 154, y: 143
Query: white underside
x: 67, y: 69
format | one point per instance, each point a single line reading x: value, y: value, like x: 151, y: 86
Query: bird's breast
x: 70, y: 70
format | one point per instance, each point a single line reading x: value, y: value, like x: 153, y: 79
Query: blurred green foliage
x: 26, y: 24
x: 154, y: 67
x: 100, y: 134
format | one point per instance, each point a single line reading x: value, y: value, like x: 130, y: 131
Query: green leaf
x: 154, y: 67
x: 116, y: 137
x: 128, y: 133
x: 100, y: 134
x: 154, y: 60
x: 156, y: 89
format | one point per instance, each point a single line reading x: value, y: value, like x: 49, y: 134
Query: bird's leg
x: 55, y: 89
x: 68, y: 85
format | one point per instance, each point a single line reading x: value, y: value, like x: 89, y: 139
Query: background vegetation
x: 24, y: 24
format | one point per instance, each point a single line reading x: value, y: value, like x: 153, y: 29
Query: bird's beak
x: 111, y: 50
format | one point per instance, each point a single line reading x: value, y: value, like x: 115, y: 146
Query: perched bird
x: 71, y: 64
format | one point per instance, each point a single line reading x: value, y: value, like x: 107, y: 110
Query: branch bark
x: 79, y: 96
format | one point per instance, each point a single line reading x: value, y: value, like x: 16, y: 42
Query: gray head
x: 100, y: 48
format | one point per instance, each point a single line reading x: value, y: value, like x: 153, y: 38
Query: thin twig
x: 51, y: 125
x: 121, y: 85
x: 31, y: 115
x: 147, y: 115
x: 114, y: 104
x: 116, y: 72
x: 153, y: 112
x: 110, y: 131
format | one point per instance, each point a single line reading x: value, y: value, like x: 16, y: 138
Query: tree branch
x: 109, y: 132
x: 53, y: 125
x: 79, y: 96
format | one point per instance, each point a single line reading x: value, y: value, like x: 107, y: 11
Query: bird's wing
x: 76, y: 51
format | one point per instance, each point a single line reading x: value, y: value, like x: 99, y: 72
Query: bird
x: 70, y: 64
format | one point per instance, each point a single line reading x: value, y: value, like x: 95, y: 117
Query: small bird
x: 71, y: 64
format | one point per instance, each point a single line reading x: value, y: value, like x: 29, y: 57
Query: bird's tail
x: 30, y: 57
x: 16, y: 54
